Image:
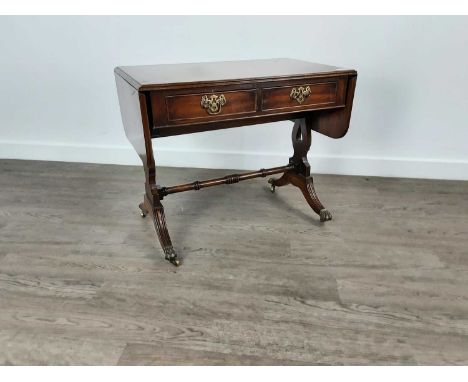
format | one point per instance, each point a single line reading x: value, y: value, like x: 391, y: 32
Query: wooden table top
x: 147, y: 77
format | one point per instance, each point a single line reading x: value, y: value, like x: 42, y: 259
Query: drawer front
x: 300, y: 96
x: 206, y: 106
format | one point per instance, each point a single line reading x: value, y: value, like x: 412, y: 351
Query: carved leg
x: 159, y: 219
x: 152, y: 205
x: 306, y: 185
x: 138, y: 130
x: 299, y: 175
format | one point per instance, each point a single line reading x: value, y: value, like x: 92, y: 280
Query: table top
x: 147, y: 77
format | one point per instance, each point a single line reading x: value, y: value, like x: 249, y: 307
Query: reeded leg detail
x: 306, y: 185
x: 159, y: 220
x: 314, y: 202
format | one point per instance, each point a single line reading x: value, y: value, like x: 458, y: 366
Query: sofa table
x: 159, y: 101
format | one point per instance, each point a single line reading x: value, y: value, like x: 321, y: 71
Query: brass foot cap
x: 272, y: 184
x: 175, y: 262
x: 172, y: 258
x: 325, y: 215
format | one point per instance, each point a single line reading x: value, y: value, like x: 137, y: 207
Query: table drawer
x: 206, y: 106
x: 300, y: 96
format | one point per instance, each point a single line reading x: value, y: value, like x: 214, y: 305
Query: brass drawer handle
x: 300, y: 94
x: 213, y: 103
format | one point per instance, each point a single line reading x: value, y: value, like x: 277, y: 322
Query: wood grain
x: 83, y: 280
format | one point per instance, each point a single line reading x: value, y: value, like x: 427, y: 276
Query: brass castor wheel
x: 325, y: 215
x: 143, y: 210
x: 272, y: 185
x: 175, y: 262
x: 171, y: 256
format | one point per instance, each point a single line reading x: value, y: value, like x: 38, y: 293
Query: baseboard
x: 343, y: 165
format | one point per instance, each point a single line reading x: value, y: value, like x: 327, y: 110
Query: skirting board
x: 342, y: 165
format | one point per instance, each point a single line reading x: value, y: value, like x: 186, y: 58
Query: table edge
x: 226, y: 82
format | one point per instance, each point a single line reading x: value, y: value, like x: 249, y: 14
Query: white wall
x: 58, y: 99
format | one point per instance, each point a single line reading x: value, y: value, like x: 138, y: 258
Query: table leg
x: 299, y: 175
x: 134, y: 109
x: 156, y: 210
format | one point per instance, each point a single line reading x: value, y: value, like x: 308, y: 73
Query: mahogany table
x: 163, y: 100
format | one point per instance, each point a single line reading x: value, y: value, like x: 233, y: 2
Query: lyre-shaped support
x: 299, y: 174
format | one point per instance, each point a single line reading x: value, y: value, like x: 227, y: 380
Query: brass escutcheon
x: 300, y: 94
x: 213, y: 103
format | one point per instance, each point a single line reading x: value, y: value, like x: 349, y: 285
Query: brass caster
x: 175, y: 262
x: 272, y: 185
x: 325, y: 215
x: 171, y: 256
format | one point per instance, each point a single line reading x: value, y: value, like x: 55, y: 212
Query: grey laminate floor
x: 83, y: 280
